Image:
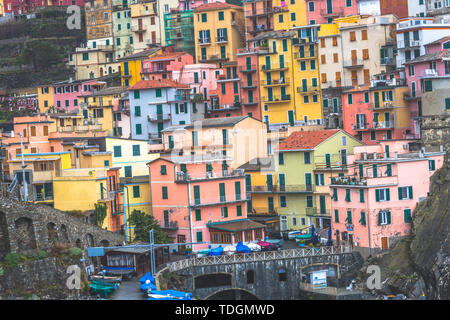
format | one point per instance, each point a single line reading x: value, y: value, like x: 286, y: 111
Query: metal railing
x: 317, y: 211
x: 159, y: 117
x: 354, y: 63
x: 275, y: 82
x: 273, y: 67
x: 283, y: 188
x: 276, y: 98
x: 170, y: 225
x: 308, y: 89
x: 258, y: 256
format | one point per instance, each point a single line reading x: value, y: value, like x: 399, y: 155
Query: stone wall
x: 26, y: 227
x: 435, y: 130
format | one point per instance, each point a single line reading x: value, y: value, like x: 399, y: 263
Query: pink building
x: 428, y: 75
x: 197, y: 201
x: 201, y: 77
x: 324, y: 11
x: 162, y: 65
x: 66, y: 93
x: 184, y: 5
x: 374, y: 203
x: 121, y: 118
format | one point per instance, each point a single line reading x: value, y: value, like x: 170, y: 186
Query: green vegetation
x: 143, y: 223
x: 100, y: 212
x: 12, y: 260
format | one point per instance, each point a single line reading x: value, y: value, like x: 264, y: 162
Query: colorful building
x: 287, y: 15
x: 236, y: 140
x: 325, y: 11
x: 94, y: 62
x: 258, y: 17
x: 131, y: 65
x: 158, y: 104
x: 123, y: 36
x: 377, y: 112
x: 373, y: 205
x: 305, y: 162
x: 99, y: 23
x: 179, y: 29
x: 161, y: 66
x: 197, y: 201
x: 219, y: 32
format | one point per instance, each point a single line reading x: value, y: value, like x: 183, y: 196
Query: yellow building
x: 39, y: 171
x: 261, y: 188
x: 219, y: 30
x: 45, y: 97
x: 308, y: 96
x: 288, y: 15
x: 99, y: 106
x: 77, y: 123
x: 131, y: 65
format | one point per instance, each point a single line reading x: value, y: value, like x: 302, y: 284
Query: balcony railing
x: 387, y: 61
x: 213, y: 58
x: 381, y: 106
x: 427, y: 73
x: 276, y: 82
x: 354, y: 63
x: 248, y: 102
x: 308, y: 89
x: 306, y: 55
x: 283, y: 188
x: 221, y: 39
x: 248, y: 68
x: 258, y: 12
x: 181, y: 176
x: 223, y: 199
x: 408, y: 44
x: 317, y: 211
x: 158, y: 117
x: 141, y: 28
x: 118, y: 210
x: 43, y: 197
x: 204, y: 41
x: 276, y: 99
x: 170, y: 225
x: 153, y: 70
x: 336, y: 12
x: 273, y: 67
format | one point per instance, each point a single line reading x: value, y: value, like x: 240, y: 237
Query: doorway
x: 384, y: 243
x: 181, y: 238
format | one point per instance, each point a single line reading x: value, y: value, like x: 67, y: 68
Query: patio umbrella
x: 329, y: 242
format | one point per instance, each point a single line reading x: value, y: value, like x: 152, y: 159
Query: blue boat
x: 147, y: 276
x: 242, y: 248
x: 169, y: 295
x: 148, y: 286
x: 216, y: 251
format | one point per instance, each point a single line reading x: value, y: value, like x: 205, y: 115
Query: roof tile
x: 306, y: 140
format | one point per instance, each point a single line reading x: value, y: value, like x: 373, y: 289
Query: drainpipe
x: 24, y: 180
x: 190, y: 214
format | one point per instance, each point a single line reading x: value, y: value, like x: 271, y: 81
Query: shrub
x: 75, y: 252
x: 1, y: 271
x: 12, y: 260
x: 40, y: 255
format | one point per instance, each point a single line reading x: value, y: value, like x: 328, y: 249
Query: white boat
x: 293, y: 234
x: 229, y: 250
x: 254, y: 246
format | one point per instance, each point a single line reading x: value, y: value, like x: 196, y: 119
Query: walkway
x: 128, y: 290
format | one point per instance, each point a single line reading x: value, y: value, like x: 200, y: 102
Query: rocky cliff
x: 419, y: 265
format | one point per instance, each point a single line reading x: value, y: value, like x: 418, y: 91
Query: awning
x: 96, y: 252
x: 236, y: 225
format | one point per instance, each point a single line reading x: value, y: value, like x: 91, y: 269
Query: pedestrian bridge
x: 263, y: 275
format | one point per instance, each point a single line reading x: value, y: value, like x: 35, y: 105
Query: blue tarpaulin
x: 216, y: 252
x: 96, y: 252
x: 148, y: 286
x: 147, y: 276
x: 169, y: 295
x: 242, y: 248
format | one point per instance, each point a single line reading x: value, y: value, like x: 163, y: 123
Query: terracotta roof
x: 306, y: 140
x: 163, y: 83
x: 166, y: 56
x: 141, y: 54
x: 216, y: 6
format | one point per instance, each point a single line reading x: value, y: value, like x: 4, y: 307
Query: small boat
x: 242, y: 248
x: 305, y: 236
x: 229, y: 250
x: 254, y: 247
x: 293, y: 234
x: 147, y: 276
x: 203, y: 253
x: 169, y: 295
x: 100, y: 278
x: 216, y: 251
x: 148, y: 286
x: 266, y: 246
x: 102, y: 288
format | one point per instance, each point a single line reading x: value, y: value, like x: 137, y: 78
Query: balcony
x: 218, y: 200
x: 249, y: 102
x: 279, y: 9
x: 118, y: 210
x: 402, y: 44
x: 364, y: 181
x: 387, y: 61
x: 221, y: 39
x: 335, y: 12
x: 213, y: 58
x: 181, y: 176
x: 273, y: 67
x: 276, y: 99
x: 383, y: 125
x: 204, y: 41
x: 158, y: 117
x: 153, y: 70
x: 383, y: 106
x: 298, y: 56
x: 317, y: 212
x: 258, y: 28
x: 43, y: 197
x: 410, y: 97
x: 353, y: 64
x: 248, y: 68
x: 258, y: 12
x: 223, y: 107
x: 300, y: 188
x: 430, y: 73
x: 248, y: 86
x: 154, y: 137
x: 225, y: 78
x: 275, y: 82
x: 170, y: 225
x: 139, y: 29
x: 308, y: 90
x: 360, y: 126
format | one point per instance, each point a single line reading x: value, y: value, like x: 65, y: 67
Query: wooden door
x: 180, y: 239
x: 354, y: 56
x: 350, y: 240
x: 384, y: 243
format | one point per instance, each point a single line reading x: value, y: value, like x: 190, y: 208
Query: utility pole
x: 25, y: 186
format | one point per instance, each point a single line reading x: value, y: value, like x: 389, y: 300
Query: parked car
x: 276, y: 238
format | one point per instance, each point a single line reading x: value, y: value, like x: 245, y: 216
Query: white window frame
x: 382, y: 192
x: 408, y: 196
x: 383, y: 218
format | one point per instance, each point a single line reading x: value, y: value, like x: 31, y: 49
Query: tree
x: 100, y: 212
x: 143, y: 223
x: 41, y: 54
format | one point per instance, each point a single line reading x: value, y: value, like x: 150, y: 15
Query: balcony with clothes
x: 283, y: 81
x: 308, y: 89
x: 384, y: 105
x: 276, y: 99
x: 184, y: 177
x: 368, y: 173
x: 256, y: 28
x: 434, y: 73
x: 282, y: 8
